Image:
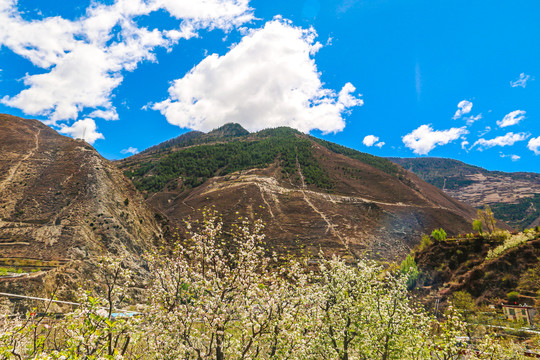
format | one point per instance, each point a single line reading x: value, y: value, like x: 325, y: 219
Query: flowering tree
x: 219, y: 295
x: 365, y: 313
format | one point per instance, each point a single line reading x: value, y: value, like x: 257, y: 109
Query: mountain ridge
x: 514, y: 197
x: 311, y: 193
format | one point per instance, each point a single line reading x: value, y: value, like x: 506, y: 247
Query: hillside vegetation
x: 195, y: 165
x: 486, y: 266
x: 195, y: 157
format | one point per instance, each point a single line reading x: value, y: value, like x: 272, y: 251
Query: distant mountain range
x: 513, y: 197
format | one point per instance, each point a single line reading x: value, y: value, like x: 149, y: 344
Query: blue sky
x: 451, y: 79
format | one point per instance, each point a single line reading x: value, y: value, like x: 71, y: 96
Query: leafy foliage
x: 439, y: 234
x: 486, y: 219
x: 377, y: 162
x: 477, y: 226
x: 512, y: 296
x: 195, y: 165
x: 409, y: 269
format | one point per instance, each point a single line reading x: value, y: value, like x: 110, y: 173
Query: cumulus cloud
x: 464, y: 144
x: 512, y: 118
x: 464, y: 107
x: 424, y: 139
x: 84, y: 59
x: 269, y: 79
x: 110, y: 114
x: 85, y: 129
x: 130, y: 150
x: 370, y: 140
x: 534, y: 145
x: 522, y: 81
x: 505, y: 140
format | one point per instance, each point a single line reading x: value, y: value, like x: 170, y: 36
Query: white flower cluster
x: 509, y: 243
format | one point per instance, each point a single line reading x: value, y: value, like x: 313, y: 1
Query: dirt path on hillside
x: 330, y: 227
x: 5, y: 195
x: 11, y: 173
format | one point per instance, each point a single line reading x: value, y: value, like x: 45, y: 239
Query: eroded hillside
x: 61, y: 205
x: 312, y: 194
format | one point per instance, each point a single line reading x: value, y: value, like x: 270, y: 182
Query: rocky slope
x: 61, y: 205
x: 514, y: 197
x: 312, y: 194
x: 463, y: 265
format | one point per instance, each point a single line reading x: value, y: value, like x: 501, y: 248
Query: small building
x: 523, y: 313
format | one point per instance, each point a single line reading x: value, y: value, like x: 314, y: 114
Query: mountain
x: 61, y: 205
x: 227, y: 131
x: 312, y: 194
x: 513, y: 197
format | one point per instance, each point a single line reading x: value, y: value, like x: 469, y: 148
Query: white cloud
x: 370, y: 140
x: 130, y: 150
x: 522, y: 81
x: 269, y: 79
x: 512, y: 118
x: 506, y: 140
x: 110, y: 114
x: 464, y: 144
x: 222, y: 14
x: 534, y: 145
x: 484, y: 132
x: 85, y: 58
x: 464, y: 107
x: 472, y: 119
x: 513, y: 157
x: 424, y: 139
x: 85, y: 129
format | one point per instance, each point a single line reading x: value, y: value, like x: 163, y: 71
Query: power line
x: 57, y: 301
x: 37, y: 298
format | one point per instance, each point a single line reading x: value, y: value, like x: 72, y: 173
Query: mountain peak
x: 229, y: 130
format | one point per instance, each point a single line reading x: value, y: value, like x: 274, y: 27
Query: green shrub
x: 409, y: 268
x: 512, y: 296
x: 425, y: 243
x: 438, y: 234
x: 477, y: 226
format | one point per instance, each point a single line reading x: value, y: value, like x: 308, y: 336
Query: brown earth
x: 61, y: 201
x: 371, y: 213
